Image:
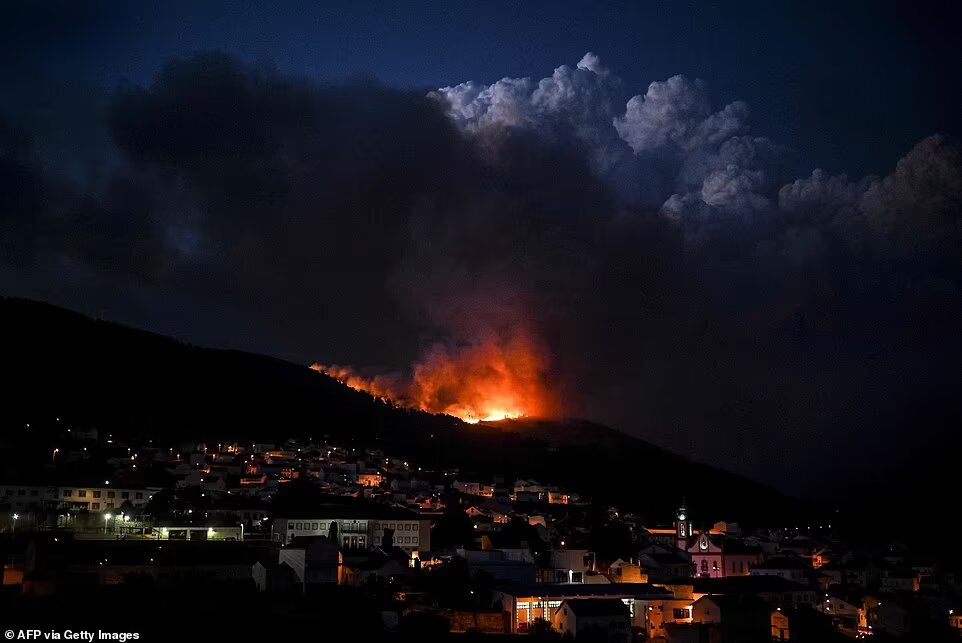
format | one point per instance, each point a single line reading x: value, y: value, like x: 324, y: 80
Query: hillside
x: 134, y: 383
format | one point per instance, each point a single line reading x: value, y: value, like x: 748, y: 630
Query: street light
x: 53, y: 458
x: 15, y: 516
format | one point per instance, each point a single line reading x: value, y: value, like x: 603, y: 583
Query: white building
x: 74, y: 498
x: 358, y: 526
x: 103, y: 498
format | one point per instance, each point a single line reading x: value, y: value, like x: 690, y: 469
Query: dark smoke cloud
x: 650, y: 251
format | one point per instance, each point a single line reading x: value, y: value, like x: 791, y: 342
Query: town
x: 439, y: 553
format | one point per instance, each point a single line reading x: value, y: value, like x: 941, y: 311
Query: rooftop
x: 578, y: 590
x: 598, y: 607
x: 743, y: 585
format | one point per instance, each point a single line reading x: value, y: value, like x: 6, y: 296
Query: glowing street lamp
x: 53, y: 458
x: 15, y: 516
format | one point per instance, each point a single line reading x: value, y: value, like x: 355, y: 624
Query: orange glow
x: 484, y: 381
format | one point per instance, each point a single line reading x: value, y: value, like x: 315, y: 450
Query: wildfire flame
x: 483, y: 381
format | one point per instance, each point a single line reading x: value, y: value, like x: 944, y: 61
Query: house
x: 738, y: 617
x: 781, y: 626
x: 900, y: 580
x: 778, y: 591
x: 889, y: 616
x: 273, y: 577
x: 663, y: 567
x: 502, y: 565
x: 802, y: 625
x: 314, y: 559
x: 567, y: 565
x: 842, y: 609
x: 854, y: 573
x: 955, y: 622
x: 718, y: 556
x: 790, y: 567
x: 626, y: 571
x: 601, y: 619
x: 473, y: 488
x: 370, y: 479
x: 727, y: 527
x: 384, y: 563
x: 523, y: 604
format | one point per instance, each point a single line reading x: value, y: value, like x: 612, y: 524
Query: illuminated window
x: 82, y: 493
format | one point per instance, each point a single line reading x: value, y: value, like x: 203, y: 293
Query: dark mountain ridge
x: 139, y: 385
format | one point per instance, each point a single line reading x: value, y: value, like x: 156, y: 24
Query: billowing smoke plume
x: 667, y: 147
x: 536, y: 247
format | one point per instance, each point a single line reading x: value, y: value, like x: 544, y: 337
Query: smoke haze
x: 557, y: 245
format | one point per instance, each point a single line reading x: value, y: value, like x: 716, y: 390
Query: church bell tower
x: 682, y: 527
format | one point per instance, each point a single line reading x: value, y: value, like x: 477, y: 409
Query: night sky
x: 732, y: 231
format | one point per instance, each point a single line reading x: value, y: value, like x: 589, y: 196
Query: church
x: 713, y: 552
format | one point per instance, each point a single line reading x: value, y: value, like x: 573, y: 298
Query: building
x: 718, y: 557
x: 524, y: 604
x: 663, y: 567
x: 356, y: 525
x: 601, y: 619
x: 315, y: 560
x: 802, y: 625
x: 370, y: 479
x: 737, y: 617
x: 80, y: 497
x: 955, y: 622
x: 626, y: 571
x: 900, y: 580
x: 888, y: 616
x: 501, y: 565
x: 781, y: 627
x: 790, y: 567
x: 103, y: 498
x: 474, y: 488
x: 567, y: 566
x: 852, y: 573
x: 777, y: 591
x: 24, y: 498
